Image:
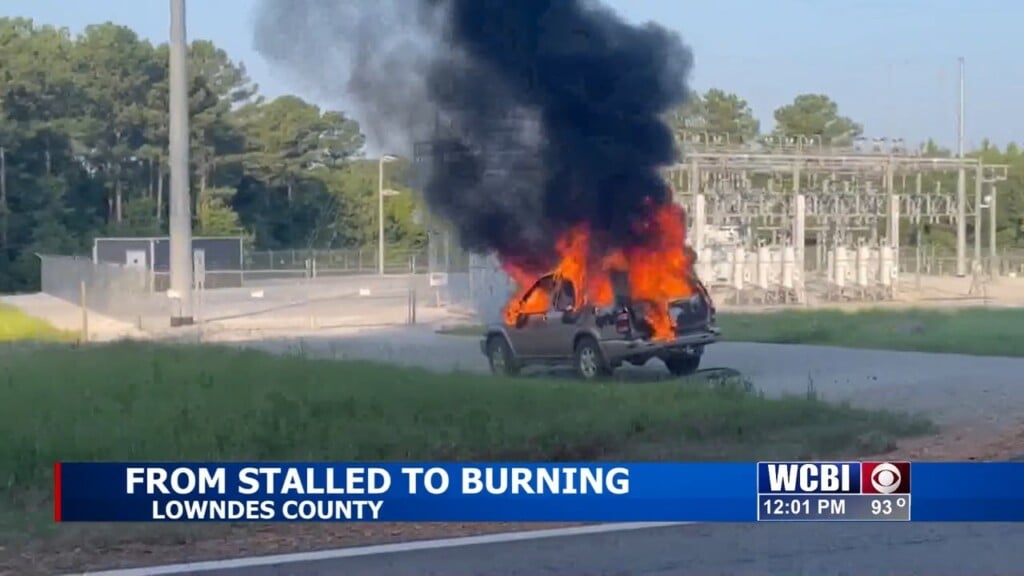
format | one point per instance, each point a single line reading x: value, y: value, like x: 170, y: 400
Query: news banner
x: 514, y: 492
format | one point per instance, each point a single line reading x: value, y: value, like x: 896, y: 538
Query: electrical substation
x: 793, y: 221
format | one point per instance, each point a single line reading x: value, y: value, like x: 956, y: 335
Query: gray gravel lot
x: 951, y: 389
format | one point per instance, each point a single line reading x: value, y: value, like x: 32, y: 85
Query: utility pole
x: 180, y: 225
x: 961, y: 187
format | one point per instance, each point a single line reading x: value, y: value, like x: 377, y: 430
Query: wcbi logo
x: 833, y: 478
x: 808, y: 477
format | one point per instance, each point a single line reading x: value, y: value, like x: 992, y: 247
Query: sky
x: 890, y: 64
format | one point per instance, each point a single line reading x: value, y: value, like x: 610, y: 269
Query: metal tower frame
x: 840, y: 192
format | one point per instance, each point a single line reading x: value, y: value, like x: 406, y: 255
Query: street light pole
x: 380, y: 211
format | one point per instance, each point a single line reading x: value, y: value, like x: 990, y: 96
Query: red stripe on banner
x: 56, y: 492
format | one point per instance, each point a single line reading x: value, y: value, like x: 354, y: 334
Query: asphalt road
x: 706, y: 550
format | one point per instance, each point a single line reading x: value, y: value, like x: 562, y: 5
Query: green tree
x: 288, y: 137
x: 931, y: 149
x: 351, y: 216
x: 37, y: 94
x: 688, y: 116
x: 729, y: 115
x: 716, y: 114
x: 215, y: 216
x: 218, y: 85
x: 817, y: 115
x: 117, y: 70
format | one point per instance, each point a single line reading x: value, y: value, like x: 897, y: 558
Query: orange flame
x: 657, y: 272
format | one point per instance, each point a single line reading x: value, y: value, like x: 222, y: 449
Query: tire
x: 589, y: 361
x: 683, y: 364
x: 501, y: 358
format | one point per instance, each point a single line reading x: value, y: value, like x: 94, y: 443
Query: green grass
x: 462, y: 330
x: 133, y: 401
x: 978, y: 331
x: 16, y: 326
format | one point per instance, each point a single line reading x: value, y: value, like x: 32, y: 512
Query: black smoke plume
x: 538, y: 115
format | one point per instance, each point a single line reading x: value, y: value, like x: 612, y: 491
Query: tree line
x: 83, y: 151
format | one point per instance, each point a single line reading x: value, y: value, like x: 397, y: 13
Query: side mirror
x: 520, y: 320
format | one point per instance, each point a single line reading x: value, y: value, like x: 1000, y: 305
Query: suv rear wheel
x: 501, y: 357
x: 682, y: 364
x: 590, y: 361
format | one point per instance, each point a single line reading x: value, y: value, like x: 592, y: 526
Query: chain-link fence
x: 120, y: 294
x: 129, y: 299
x: 931, y: 260
x: 482, y: 289
x: 314, y: 263
x: 268, y: 307
x: 763, y: 278
x: 303, y: 290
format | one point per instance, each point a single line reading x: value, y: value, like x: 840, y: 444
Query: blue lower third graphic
x: 525, y: 492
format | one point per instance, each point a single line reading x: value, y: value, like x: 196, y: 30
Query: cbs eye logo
x: 885, y: 477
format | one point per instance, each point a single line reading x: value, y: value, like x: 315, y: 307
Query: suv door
x: 529, y: 333
x: 557, y: 338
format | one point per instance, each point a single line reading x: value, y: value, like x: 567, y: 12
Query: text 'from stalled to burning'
x: 370, y: 480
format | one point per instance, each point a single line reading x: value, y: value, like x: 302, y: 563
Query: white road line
x: 396, y: 548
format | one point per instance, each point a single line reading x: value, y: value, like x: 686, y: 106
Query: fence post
x: 411, y: 315
x: 85, y: 312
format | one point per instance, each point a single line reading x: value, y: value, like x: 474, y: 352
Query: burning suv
x: 602, y: 306
x: 550, y: 326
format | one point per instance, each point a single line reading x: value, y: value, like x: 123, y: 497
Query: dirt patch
x: 963, y: 445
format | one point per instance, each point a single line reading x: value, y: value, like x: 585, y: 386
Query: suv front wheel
x: 590, y: 361
x: 500, y: 356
